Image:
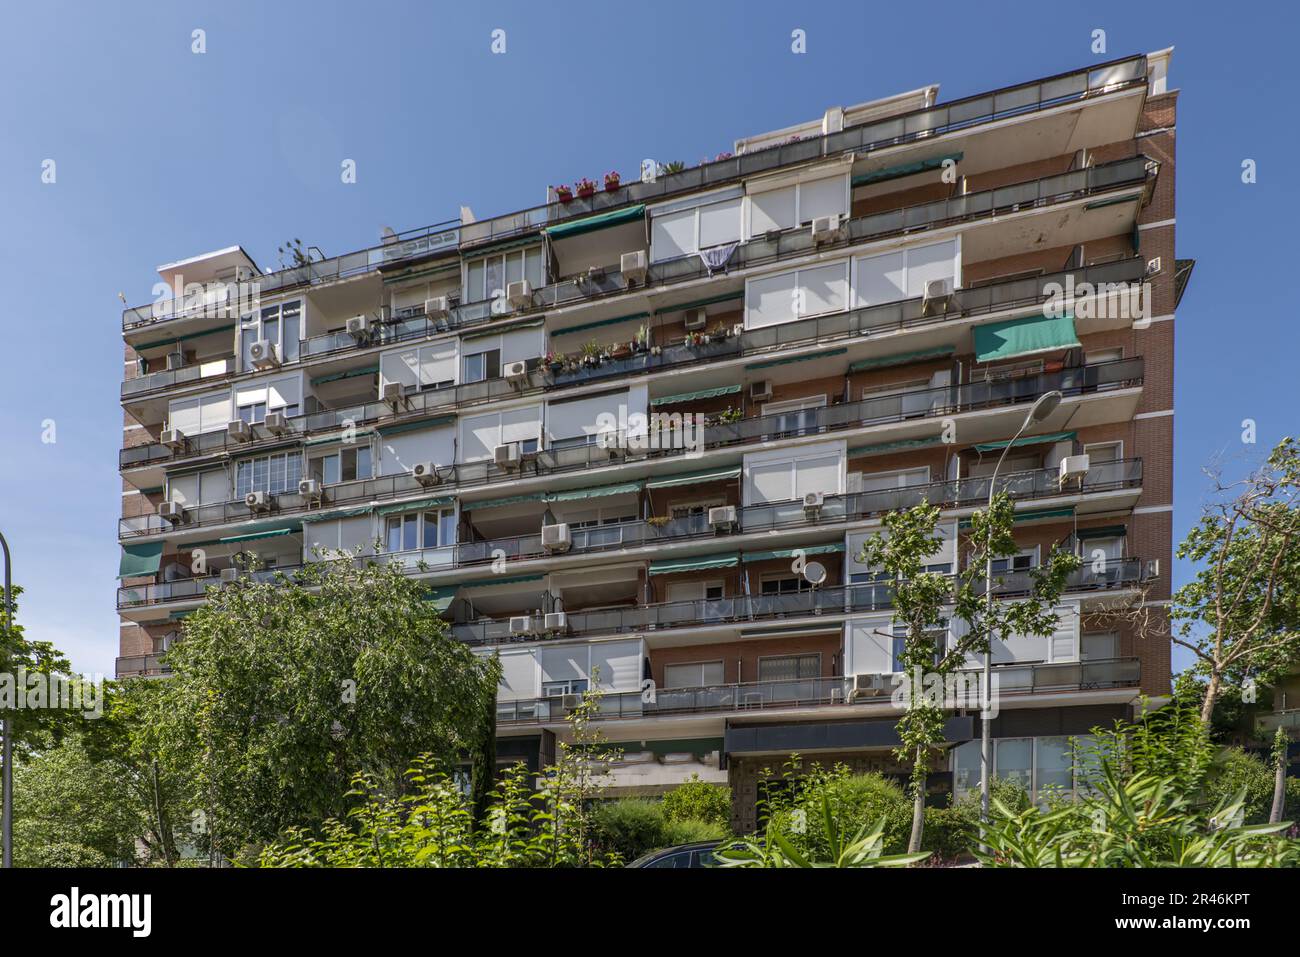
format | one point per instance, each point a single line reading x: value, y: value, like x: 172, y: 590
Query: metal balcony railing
x: 837, y: 509
x: 839, y: 600
x: 129, y: 666
x: 1288, y: 719
x: 1013, y: 678
x: 878, y: 410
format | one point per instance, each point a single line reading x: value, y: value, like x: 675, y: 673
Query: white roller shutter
x: 183, y: 415
x: 773, y: 209
x: 438, y: 362
x: 523, y: 344
x: 880, y: 279
x: 770, y: 482
x: 479, y: 436
x: 769, y: 300
x: 566, y: 420
x: 564, y: 663
x: 618, y: 665
x: 936, y: 261
x: 720, y: 223
x: 184, y: 490
x: 518, y: 675
x: 401, y: 367
x: 823, y: 197
x: 822, y: 474
x: 520, y: 425
x: 824, y: 289
x: 672, y: 235
x: 870, y: 653
x: 397, y: 453
x: 214, y: 411
x: 284, y: 392
x: 1064, y: 644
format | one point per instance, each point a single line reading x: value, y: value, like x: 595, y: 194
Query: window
x: 280, y: 325
x: 695, y: 509
x: 695, y: 591
x: 1102, y: 452
x: 696, y: 674
x: 797, y: 205
x: 787, y: 296
x: 273, y: 474
x: 681, y: 229
x: 1099, y: 646
x: 435, y: 528
x: 488, y: 277
x: 553, y: 689
x: 795, y: 416
x: 790, y: 667
x: 482, y: 365
x: 342, y: 465
x: 901, y: 478
x: 1096, y: 356
x: 781, y: 585
x: 198, y: 488
x: 1014, y: 761
x: 788, y: 479
x: 890, y: 277
x: 254, y: 401
x: 938, y: 634
x: 1020, y: 562
x: 206, y: 413
x: 425, y: 367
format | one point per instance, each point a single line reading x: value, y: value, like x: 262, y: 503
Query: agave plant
x: 863, y: 849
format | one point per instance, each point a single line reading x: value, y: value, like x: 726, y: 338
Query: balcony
x: 758, y: 696
x: 1288, y: 719
x: 880, y: 410
x: 171, y: 378
x: 836, y: 601
x: 134, y: 666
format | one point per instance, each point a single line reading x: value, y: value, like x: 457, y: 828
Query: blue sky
x: 162, y: 154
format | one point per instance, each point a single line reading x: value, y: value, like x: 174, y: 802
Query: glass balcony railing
x: 838, y: 600
x: 1013, y: 678
x: 837, y: 509
x: 1269, y: 722
x: 879, y: 410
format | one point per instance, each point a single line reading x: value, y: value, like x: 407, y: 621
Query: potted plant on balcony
x: 555, y: 361
x: 612, y: 180
x: 676, y: 166
x: 693, y: 340
x: 585, y: 188
x: 564, y: 194
x: 729, y: 415
x: 621, y: 350
x: 591, y: 354
x: 642, y: 340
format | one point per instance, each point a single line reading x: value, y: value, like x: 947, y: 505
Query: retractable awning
x: 901, y: 358
x: 698, y: 564
x: 414, y: 426
x: 268, y: 530
x: 1024, y: 337
x: 571, y: 495
x: 695, y: 396
x: 254, y: 536
x: 694, y: 478
x: 615, y: 217
x: 442, y: 597
x: 416, y: 506
x: 904, y: 169
x: 1026, y: 440
x: 789, y: 552
x: 350, y: 374
x: 1030, y: 516
x: 894, y: 446
x: 600, y: 323
x: 140, y: 560
x: 789, y: 359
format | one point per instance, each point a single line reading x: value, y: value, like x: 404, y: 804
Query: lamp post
x: 6, y: 728
x: 1043, y: 406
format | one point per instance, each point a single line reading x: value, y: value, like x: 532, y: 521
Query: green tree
x: 920, y: 601
x: 699, y: 800
x: 1240, y: 615
x: 284, y: 690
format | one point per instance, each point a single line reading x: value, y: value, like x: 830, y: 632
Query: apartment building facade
x: 634, y: 440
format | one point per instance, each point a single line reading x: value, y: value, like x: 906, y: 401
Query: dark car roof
x: 675, y: 849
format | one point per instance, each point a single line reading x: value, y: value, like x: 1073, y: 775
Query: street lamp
x: 1044, y: 406
x: 6, y: 728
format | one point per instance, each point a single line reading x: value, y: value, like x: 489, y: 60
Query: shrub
x: 951, y: 832
x: 1237, y: 770
x: 697, y: 800
x: 631, y: 826
x: 692, y: 831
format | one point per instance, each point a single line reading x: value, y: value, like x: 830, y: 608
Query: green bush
x: 692, y: 832
x: 856, y: 801
x: 1237, y: 770
x: 630, y: 826
x: 697, y: 800
x: 951, y: 832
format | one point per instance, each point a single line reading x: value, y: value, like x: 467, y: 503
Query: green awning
x: 694, y: 564
x: 1115, y: 201
x: 1101, y: 531
x: 351, y: 374
x: 502, y: 580
x: 140, y: 560
x: 894, y: 446
x: 491, y: 248
x: 789, y: 552
x: 406, y: 275
x: 497, y: 330
x: 571, y: 495
x: 333, y: 513
x: 189, y: 335
x: 415, y: 426
x: 1026, y: 440
x: 599, y: 323
x: 697, y: 303
x: 789, y: 359
x: 901, y: 358
x: 615, y: 217
x: 253, y: 536
x: 1024, y: 337
x: 694, y: 396
x: 695, y: 478
x: 416, y: 506
x: 442, y: 596
x: 1031, y: 516
x: 904, y: 169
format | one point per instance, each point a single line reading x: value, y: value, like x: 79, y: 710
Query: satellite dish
x: 814, y: 573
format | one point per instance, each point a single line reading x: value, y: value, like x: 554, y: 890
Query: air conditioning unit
x: 609, y: 441
x: 519, y: 294
x: 393, y: 394
x: 826, y: 228
x: 515, y: 371
x: 555, y: 538
x: 760, y: 391
x: 938, y: 295
x: 230, y: 574
x: 238, y: 430
x: 570, y: 702
x: 277, y: 423
x: 426, y: 473
x: 257, y: 501
x: 556, y: 621
x: 172, y: 512
x: 813, y: 502
x: 172, y: 438
x: 722, y: 516
x: 175, y: 360
x: 870, y: 686
x: 263, y: 354
x: 437, y: 308
x: 506, y: 456
x: 359, y: 327
x: 633, y: 266
x: 521, y: 625
x: 310, y: 489
x: 1073, y: 467
x: 695, y: 319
